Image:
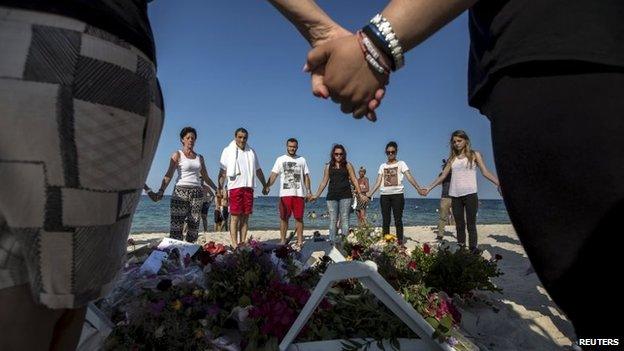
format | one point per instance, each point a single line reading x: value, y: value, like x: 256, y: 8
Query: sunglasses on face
x: 338, y: 154
x: 391, y: 152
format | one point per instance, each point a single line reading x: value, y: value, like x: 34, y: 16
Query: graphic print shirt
x: 292, y: 171
x: 392, y: 177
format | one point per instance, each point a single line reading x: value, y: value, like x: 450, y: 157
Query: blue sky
x: 227, y: 64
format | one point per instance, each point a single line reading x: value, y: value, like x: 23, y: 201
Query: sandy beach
x: 523, y: 317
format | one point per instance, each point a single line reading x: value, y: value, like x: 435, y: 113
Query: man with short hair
x: 294, y: 175
x: 240, y: 166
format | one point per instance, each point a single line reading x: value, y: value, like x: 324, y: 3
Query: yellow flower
x: 176, y: 305
x: 199, y: 333
x: 349, y: 258
x: 197, y: 293
x: 389, y: 237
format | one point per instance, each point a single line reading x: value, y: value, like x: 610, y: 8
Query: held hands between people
x: 153, y: 196
x: 265, y: 190
x: 364, y: 198
x: 346, y: 77
x: 423, y: 191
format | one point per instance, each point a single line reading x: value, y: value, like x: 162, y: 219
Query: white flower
x: 159, y: 331
x: 240, y: 315
x: 352, y: 239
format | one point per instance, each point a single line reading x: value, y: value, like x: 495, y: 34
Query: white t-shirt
x: 246, y: 163
x: 392, y: 177
x: 292, y: 171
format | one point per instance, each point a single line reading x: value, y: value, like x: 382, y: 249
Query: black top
x: 339, y: 184
x: 507, y: 32
x: 126, y: 19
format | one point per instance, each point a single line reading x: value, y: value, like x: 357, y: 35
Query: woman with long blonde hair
x: 462, y: 163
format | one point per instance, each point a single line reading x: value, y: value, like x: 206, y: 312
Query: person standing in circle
x: 294, y: 189
x: 340, y: 176
x: 239, y: 169
x: 392, y: 199
x: 462, y: 165
x: 188, y: 195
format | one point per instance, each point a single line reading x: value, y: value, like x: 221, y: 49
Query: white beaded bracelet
x: 391, y: 39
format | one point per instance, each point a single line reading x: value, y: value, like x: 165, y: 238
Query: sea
x: 154, y: 216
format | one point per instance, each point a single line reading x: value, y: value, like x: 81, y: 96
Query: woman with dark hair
x: 188, y: 195
x: 390, y: 182
x: 340, y: 176
x: 462, y: 163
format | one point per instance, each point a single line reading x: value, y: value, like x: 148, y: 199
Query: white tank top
x: 188, y: 170
x: 463, y: 178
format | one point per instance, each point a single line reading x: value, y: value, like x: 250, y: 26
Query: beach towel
x: 232, y: 155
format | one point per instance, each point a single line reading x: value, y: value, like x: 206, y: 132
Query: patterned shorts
x: 80, y: 118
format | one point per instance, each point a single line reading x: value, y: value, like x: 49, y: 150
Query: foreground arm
x: 414, y: 21
x: 310, y: 20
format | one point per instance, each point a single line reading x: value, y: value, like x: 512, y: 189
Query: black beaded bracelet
x: 380, y: 42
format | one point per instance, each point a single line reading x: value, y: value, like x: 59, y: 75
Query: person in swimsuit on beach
x: 361, y: 206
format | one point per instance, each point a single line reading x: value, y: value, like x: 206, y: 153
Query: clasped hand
x: 340, y: 71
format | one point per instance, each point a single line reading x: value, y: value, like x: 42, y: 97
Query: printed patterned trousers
x: 186, y: 206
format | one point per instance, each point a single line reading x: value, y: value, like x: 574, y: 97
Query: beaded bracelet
x: 375, y: 36
x: 381, y: 33
x: 371, y: 54
x: 372, y: 49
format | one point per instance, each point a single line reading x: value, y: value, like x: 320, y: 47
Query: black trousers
x: 468, y: 204
x: 395, y: 204
x: 557, y: 138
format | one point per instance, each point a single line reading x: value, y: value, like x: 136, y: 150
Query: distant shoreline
x: 375, y: 197
x: 311, y: 227
x: 309, y: 231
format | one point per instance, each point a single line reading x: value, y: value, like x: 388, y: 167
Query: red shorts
x: 241, y: 201
x: 291, y: 205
